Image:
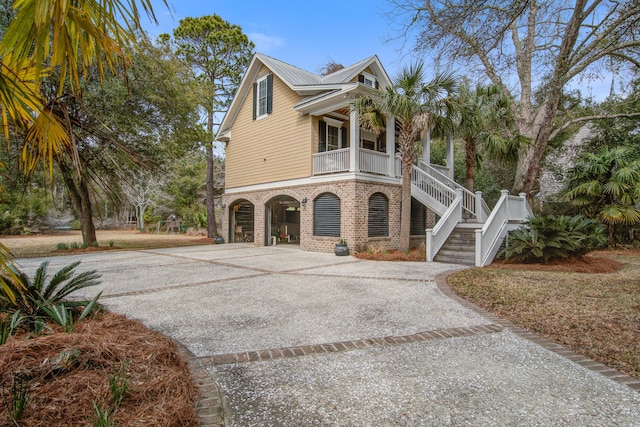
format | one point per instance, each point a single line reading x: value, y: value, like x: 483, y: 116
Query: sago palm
x: 31, y: 296
x: 412, y: 102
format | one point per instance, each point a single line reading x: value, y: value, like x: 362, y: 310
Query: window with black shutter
x: 378, y: 215
x: 263, y: 96
x: 326, y: 215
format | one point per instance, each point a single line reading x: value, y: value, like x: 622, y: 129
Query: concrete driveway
x: 291, y: 338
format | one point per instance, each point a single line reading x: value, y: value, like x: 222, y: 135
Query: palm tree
x: 70, y: 37
x: 411, y: 102
x: 483, y: 120
x: 606, y: 185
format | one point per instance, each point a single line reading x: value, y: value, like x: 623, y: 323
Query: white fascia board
x: 241, y: 94
x: 324, y: 104
x: 380, y: 72
x: 314, y: 89
x: 315, y: 180
x: 224, y: 136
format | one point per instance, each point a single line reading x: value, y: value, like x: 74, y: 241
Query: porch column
x: 391, y: 145
x: 354, y: 137
x: 450, y: 155
x: 426, y: 148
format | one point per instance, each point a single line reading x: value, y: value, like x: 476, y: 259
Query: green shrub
x: 74, y: 245
x: 545, y: 238
x: 43, y: 297
x: 75, y: 225
x: 7, y: 221
x: 62, y: 246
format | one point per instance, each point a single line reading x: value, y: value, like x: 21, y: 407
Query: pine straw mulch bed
x: 68, y: 372
x: 589, y: 305
x: 417, y: 254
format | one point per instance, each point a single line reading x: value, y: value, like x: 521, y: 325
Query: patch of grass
x: 62, y: 246
x: 596, y: 315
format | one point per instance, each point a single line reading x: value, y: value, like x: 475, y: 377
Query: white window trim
x: 368, y: 135
x: 265, y: 114
x: 329, y: 121
x: 369, y: 76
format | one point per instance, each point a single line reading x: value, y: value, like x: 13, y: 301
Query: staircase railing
x: 471, y: 202
x: 434, y: 189
x: 448, y: 221
x: 508, y: 213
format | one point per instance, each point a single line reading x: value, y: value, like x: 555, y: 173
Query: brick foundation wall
x: 354, y: 205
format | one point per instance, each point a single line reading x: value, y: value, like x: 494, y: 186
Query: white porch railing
x: 437, y: 235
x: 433, y: 189
x: 331, y: 161
x: 442, y: 169
x: 374, y: 162
x: 508, y: 213
x: 471, y: 202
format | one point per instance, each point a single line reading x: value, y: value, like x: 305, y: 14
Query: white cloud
x: 265, y: 43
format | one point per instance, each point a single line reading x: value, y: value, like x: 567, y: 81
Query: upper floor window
x: 368, y: 79
x: 331, y: 134
x: 263, y: 96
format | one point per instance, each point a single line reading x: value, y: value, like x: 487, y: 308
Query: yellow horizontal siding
x: 274, y: 148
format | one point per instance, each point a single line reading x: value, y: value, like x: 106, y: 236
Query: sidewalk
x: 299, y: 338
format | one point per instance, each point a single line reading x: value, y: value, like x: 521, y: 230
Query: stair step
x: 452, y: 260
x: 461, y: 241
x: 457, y: 254
x: 452, y: 247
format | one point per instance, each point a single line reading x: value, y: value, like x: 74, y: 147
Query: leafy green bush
x: 545, y: 238
x: 43, y: 297
x: 62, y: 246
x: 7, y: 221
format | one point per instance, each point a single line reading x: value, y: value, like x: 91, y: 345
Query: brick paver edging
x: 592, y: 365
x: 209, y: 407
x: 278, y: 353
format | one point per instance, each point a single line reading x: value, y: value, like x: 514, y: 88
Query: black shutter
x: 269, y: 93
x: 344, y: 138
x: 326, y: 215
x: 378, y: 215
x: 255, y: 99
x: 377, y: 85
x: 361, y: 78
x: 418, y: 218
x: 322, y: 136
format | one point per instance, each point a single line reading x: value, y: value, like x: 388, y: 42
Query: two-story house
x: 300, y: 169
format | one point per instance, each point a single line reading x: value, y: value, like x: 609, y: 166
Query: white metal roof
x: 318, y: 89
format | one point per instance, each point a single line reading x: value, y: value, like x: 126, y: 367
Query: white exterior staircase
x: 468, y: 232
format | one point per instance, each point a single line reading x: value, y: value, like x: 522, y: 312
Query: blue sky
x: 304, y: 34
x: 309, y: 34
